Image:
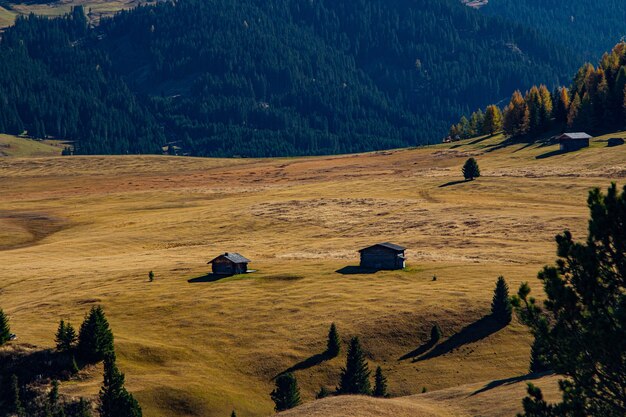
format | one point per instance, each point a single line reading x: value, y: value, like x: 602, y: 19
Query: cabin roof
x: 387, y: 245
x: 574, y: 136
x: 233, y: 257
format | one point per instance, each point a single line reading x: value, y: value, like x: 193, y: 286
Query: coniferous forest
x: 265, y: 78
x: 592, y: 27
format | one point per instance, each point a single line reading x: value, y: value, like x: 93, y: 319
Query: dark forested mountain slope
x: 266, y: 77
x: 587, y: 27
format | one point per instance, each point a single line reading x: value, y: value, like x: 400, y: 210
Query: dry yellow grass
x: 15, y: 146
x: 497, y: 399
x: 202, y: 349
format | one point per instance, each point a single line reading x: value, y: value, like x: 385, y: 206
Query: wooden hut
x: 230, y: 264
x: 573, y: 141
x: 383, y: 256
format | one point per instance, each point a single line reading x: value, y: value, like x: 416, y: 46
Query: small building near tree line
x: 230, y: 264
x: 383, y: 256
x: 573, y: 141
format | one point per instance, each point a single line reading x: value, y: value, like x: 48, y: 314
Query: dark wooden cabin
x: 573, y: 141
x: 383, y: 256
x: 230, y: 264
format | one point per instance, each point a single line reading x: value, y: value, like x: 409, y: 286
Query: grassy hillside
x: 86, y: 230
x: 15, y: 146
x: 497, y: 399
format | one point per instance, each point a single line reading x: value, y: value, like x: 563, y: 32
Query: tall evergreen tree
x: 65, y: 337
x: 333, y: 345
x: 501, y: 308
x: 95, y: 339
x: 538, y: 356
x: 114, y: 399
x: 470, y: 170
x: 5, y: 330
x: 355, y: 376
x: 286, y: 395
x: 561, y: 106
x: 583, y: 315
x: 380, y: 384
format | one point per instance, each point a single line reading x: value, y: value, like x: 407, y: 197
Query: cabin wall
x: 380, y: 258
x: 226, y: 267
x: 574, y: 145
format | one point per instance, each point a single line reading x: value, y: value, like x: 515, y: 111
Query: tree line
x: 265, y: 78
x: 595, y: 102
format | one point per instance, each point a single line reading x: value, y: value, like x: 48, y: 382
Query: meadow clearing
x: 79, y: 231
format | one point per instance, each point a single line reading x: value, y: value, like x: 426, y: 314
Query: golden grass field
x: 80, y: 231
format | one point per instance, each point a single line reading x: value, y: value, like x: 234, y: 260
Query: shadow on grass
x: 509, y: 381
x: 419, y: 351
x: 355, y: 270
x: 451, y: 183
x: 306, y: 364
x: 208, y: 278
x: 469, y: 334
x: 550, y: 154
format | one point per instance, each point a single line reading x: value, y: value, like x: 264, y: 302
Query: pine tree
x: 5, y: 330
x: 561, y: 107
x: 150, y: 276
x: 355, y: 376
x: 65, y: 337
x: 286, y: 395
x: 581, y: 322
x: 501, y: 308
x: 233, y: 414
x: 470, y: 169
x: 15, y: 404
x: 115, y: 400
x: 538, y: 360
x: 95, y: 339
x: 333, y: 345
x: 380, y: 384
x: 493, y: 120
x: 53, y: 406
x: 435, y: 334
x: 477, y: 122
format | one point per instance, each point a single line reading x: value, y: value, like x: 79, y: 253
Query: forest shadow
x: 472, y: 333
x: 208, y: 278
x: 419, y: 351
x: 356, y: 270
x: 306, y: 364
x: 509, y: 381
x: 451, y: 183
